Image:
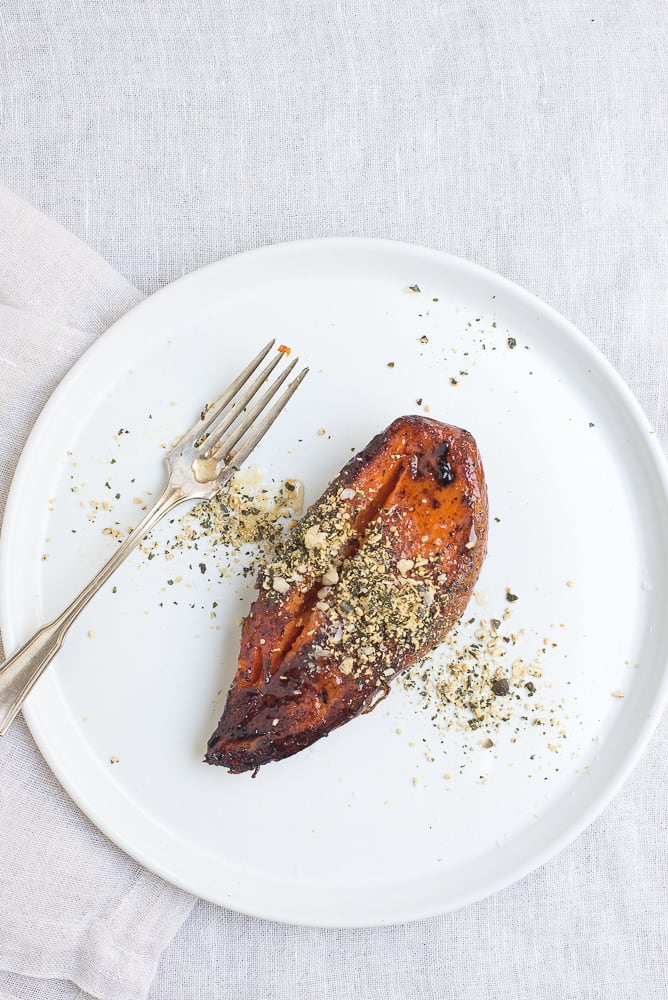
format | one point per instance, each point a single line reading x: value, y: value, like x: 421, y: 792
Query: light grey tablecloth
x: 528, y: 136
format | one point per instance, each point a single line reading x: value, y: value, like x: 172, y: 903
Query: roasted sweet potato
x: 369, y: 581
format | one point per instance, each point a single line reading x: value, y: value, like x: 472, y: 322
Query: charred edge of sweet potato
x: 301, y: 618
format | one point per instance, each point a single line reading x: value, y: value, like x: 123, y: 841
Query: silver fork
x: 199, y: 465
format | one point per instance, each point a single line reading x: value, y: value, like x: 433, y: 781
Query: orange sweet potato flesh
x: 371, y: 579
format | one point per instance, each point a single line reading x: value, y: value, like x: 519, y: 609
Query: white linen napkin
x: 73, y: 908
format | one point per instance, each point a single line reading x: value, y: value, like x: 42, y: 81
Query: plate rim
x: 608, y: 788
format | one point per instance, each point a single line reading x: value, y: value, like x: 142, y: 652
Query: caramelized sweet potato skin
x: 380, y: 567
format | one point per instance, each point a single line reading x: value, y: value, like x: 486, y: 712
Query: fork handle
x: 20, y: 672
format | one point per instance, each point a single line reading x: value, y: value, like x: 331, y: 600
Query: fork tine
x: 261, y: 429
x: 231, y: 412
x: 224, y: 446
x: 201, y: 426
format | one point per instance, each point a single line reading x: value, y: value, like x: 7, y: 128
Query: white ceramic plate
x: 362, y: 828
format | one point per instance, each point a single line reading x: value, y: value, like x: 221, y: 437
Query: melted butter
x: 252, y: 475
x: 205, y: 470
